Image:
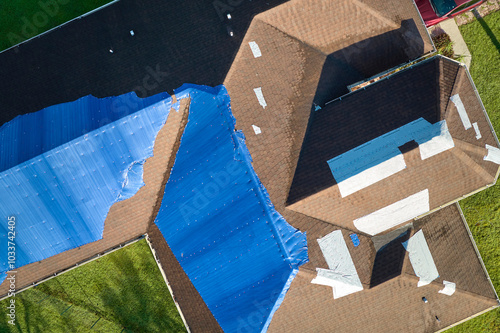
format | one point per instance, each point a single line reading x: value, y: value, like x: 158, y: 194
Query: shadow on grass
x: 136, y: 303
x: 487, y: 29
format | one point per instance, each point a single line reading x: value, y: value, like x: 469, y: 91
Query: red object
x: 431, y: 18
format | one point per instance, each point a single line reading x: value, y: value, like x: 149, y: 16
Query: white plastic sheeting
x: 372, y: 175
x: 256, y: 129
x: 260, y: 97
x: 478, y: 132
x: 341, y: 275
x: 493, y: 154
x: 255, y: 49
x: 461, y: 111
x: 449, y: 288
x: 394, y: 214
x: 440, y: 141
x: 421, y: 259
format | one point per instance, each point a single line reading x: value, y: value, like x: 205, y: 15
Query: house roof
x: 422, y: 91
x: 287, y: 73
x: 126, y: 220
x: 310, y: 52
x: 65, y: 166
x: 294, y: 74
x: 397, y: 305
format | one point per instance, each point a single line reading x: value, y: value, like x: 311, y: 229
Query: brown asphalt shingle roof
x: 396, y: 305
x: 311, y: 51
x: 287, y: 74
x: 421, y: 91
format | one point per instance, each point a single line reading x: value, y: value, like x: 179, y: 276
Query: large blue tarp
x: 32, y: 134
x: 59, y: 184
x: 217, y: 218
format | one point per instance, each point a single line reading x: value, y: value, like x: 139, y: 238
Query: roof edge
x: 468, y: 318
x: 455, y: 201
x: 75, y: 265
x: 434, y: 50
x: 158, y: 264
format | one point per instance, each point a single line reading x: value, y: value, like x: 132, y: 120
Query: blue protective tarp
x: 61, y: 190
x: 32, y: 134
x: 381, y: 149
x: 217, y: 218
x: 354, y: 239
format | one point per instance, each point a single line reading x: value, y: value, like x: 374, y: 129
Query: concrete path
x: 459, y: 47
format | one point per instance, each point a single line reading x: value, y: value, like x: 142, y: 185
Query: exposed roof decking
x: 173, y: 43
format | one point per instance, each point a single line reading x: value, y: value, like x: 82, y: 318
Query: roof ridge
x: 258, y: 18
x: 375, y: 13
x: 478, y: 169
x: 457, y: 82
x: 467, y: 146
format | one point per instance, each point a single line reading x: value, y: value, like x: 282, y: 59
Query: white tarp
x: 421, y: 259
x: 449, y: 288
x: 255, y: 49
x: 478, y: 133
x: 461, y: 111
x: 441, y: 141
x: 372, y: 175
x: 394, y: 214
x: 260, y: 97
x: 493, y: 154
x: 341, y: 283
x: 341, y: 275
x: 256, y: 129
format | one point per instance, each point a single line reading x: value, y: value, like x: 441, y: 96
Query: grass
x: 482, y: 210
x: 122, y: 291
x: 23, y: 19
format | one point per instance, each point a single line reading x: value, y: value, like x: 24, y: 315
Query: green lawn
x: 23, y: 19
x: 482, y: 210
x: 122, y: 291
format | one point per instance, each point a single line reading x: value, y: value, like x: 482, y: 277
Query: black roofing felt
x: 174, y: 42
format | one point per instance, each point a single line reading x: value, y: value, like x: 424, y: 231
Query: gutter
x: 158, y: 264
x: 467, y: 319
x: 83, y: 262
